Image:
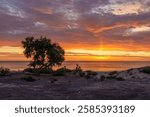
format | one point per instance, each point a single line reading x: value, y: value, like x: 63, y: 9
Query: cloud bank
x: 122, y: 25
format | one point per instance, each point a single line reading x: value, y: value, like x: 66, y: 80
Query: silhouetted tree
x: 43, y: 53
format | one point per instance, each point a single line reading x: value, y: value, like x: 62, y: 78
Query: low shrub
x: 111, y: 77
x: 102, y: 78
x: 46, y: 71
x: 81, y: 74
x: 113, y: 73
x: 4, y: 71
x: 28, y: 78
x: 60, y: 72
x: 39, y: 71
x: 77, y: 70
x: 30, y: 70
x: 145, y: 70
x: 120, y: 79
x: 90, y: 74
x: 68, y: 70
x: 115, y: 78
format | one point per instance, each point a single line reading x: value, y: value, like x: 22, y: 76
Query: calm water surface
x: 92, y: 65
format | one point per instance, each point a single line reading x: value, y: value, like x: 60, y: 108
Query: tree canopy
x: 42, y: 52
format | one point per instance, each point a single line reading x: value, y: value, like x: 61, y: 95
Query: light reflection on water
x: 85, y: 65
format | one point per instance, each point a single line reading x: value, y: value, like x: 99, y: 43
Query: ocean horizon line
x: 85, y: 65
x: 74, y: 61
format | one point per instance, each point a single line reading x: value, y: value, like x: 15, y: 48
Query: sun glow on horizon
x: 16, y: 53
x: 103, y: 58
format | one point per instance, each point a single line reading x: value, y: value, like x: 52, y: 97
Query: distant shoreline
x: 85, y: 65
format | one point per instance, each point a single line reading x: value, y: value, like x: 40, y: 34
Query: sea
x: 85, y: 65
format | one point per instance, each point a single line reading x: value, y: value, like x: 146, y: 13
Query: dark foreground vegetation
x: 4, y: 71
x: 75, y: 84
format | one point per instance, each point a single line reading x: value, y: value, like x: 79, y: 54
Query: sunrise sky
x: 91, y: 30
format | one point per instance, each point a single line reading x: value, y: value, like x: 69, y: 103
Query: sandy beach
x: 134, y: 85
